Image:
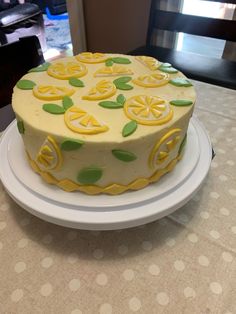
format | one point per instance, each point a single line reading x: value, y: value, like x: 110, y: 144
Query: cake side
x: 115, y: 131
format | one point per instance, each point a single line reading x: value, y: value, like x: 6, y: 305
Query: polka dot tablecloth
x: 183, y: 263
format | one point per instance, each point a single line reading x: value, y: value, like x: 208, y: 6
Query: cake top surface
x: 102, y: 97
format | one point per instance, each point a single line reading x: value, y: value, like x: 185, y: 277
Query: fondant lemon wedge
x: 153, y: 80
x: 89, y: 57
x: 103, y: 89
x: 51, y: 92
x: 80, y: 121
x: 148, y: 110
x: 113, y: 70
x: 66, y: 70
x: 163, y: 148
x: 149, y: 62
x: 49, y: 156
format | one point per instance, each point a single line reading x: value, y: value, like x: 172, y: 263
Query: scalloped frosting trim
x: 112, y: 189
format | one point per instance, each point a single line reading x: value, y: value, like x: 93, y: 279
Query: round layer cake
x: 103, y: 123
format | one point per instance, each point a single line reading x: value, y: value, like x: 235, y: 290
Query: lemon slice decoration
x: 149, y: 62
x: 82, y: 122
x: 162, y: 151
x: 113, y: 70
x: 49, y: 156
x: 103, y: 89
x: 153, y: 80
x: 148, y: 110
x: 89, y: 57
x: 66, y: 70
x: 51, y: 92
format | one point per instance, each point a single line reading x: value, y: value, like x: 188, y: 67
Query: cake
x: 103, y: 123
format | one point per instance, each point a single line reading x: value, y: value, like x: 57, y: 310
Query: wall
x: 115, y: 26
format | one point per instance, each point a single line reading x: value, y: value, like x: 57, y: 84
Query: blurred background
x: 76, y: 25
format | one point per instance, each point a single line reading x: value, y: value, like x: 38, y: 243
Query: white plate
x: 33, y: 182
x: 105, y: 212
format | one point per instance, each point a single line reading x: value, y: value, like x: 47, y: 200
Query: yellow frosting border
x: 112, y: 189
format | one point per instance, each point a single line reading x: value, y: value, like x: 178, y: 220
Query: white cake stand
x: 104, y: 212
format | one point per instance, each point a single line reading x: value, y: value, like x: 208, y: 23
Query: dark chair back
x: 15, y: 60
x: 204, y: 68
x: 191, y: 24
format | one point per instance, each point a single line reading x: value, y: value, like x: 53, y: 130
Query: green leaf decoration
x: 181, y: 102
x: 76, y: 82
x: 123, y: 155
x: 129, y: 128
x: 121, y: 99
x: 69, y: 144
x: 123, y: 86
x: 40, y: 68
x: 109, y: 62
x: 123, y: 79
x: 183, y: 143
x: 120, y: 83
x: 121, y: 60
x: 67, y: 102
x: 110, y: 104
x: 53, y: 108
x: 25, y: 84
x: 168, y: 69
x: 89, y: 175
x: 180, y: 81
x: 21, y: 127
x: 165, y: 64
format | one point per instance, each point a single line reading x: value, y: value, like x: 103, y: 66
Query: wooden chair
x: 15, y: 60
x: 203, y: 68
